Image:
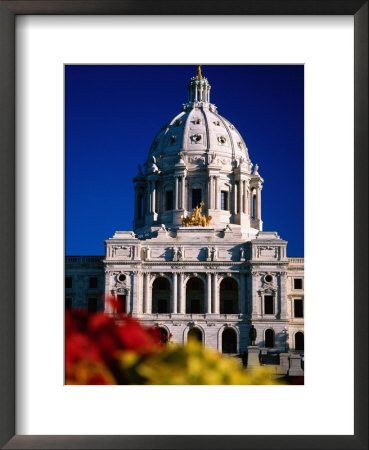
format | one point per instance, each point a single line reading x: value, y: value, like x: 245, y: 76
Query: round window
x: 268, y: 278
x: 121, y: 277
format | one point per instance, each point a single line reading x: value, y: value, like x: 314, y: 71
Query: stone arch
x: 161, y: 275
x: 195, y: 295
x: 220, y: 336
x: 228, y: 295
x: 299, y: 341
x: 194, y: 275
x: 164, y: 326
x: 222, y: 276
x: 161, y: 293
x: 269, y: 338
x: 189, y: 328
x: 165, y: 329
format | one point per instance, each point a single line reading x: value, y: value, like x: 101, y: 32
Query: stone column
x: 247, y: 201
x: 183, y: 178
x: 180, y: 192
x: 139, y: 293
x: 258, y: 204
x: 215, y: 299
x: 240, y: 197
x: 176, y: 194
x: 235, y: 194
x: 107, y: 304
x: 182, y: 299
x: 282, y: 294
x: 175, y: 291
x: 132, y: 304
x: 147, y: 295
x: 244, y: 197
x: 216, y: 193
x: 250, y: 202
x: 254, y: 296
x: 210, y: 193
x: 208, y: 297
x: 242, y: 301
x: 153, y: 196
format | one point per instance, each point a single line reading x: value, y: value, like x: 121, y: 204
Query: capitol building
x: 197, y: 262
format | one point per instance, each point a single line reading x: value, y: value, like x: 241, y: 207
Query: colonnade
x: 242, y: 199
x: 178, y: 294
x: 199, y: 91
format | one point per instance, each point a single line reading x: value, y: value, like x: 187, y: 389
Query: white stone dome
x: 198, y: 158
x: 198, y: 133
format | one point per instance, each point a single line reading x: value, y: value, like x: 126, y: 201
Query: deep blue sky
x: 112, y: 114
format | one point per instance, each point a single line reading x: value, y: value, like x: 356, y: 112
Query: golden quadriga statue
x: 197, y: 219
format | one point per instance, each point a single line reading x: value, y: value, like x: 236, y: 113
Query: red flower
x: 103, y: 332
x: 79, y: 347
x: 133, y: 336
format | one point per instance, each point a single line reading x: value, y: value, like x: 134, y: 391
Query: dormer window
x: 173, y: 138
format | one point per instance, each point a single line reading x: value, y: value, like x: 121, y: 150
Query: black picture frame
x: 8, y: 11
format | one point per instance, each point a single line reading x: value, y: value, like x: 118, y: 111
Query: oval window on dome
x: 222, y: 139
x: 197, y: 137
x: 173, y: 139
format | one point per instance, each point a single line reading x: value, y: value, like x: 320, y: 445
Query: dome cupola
x: 199, y: 88
x: 198, y: 156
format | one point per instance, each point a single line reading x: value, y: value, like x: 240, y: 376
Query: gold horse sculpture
x: 197, y: 219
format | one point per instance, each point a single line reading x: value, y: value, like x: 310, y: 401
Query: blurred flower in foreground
x: 190, y: 364
x: 99, y: 350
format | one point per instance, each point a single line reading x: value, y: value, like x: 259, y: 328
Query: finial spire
x: 199, y: 74
x: 199, y: 88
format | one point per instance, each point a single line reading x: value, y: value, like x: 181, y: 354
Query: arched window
x: 228, y: 296
x: 269, y: 338
x: 299, y: 341
x: 195, y: 296
x: 161, y: 296
x: 195, y: 334
x: 164, y: 337
x: 229, y: 341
